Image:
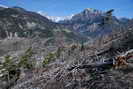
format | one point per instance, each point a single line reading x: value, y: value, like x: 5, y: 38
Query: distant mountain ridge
x: 89, y: 23
x: 18, y: 22
x: 55, y: 18
x: 86, y: 25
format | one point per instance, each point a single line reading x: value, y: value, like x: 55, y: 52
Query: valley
x: 78, y: 53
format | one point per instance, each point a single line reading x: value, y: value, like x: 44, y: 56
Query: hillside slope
x: 18, y: 22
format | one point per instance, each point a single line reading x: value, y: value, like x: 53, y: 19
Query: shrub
x: 9, y: 68
x: 25, y: 60
x: 50, y: 57
x: 82, y: 47
x: 58, y: 52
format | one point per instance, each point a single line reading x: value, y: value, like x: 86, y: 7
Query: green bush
x: 58, y: 52
x: 50, y: 57
x: 9, y: 63
x: 11, y: 69
x: 82, y: 47
x: 25, y: 60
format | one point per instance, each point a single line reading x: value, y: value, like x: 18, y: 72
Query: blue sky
x: 123, y: 8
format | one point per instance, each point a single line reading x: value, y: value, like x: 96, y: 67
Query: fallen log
x: 104, y: 65
x: 118, y: 61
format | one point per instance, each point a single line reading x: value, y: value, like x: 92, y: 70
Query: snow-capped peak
x: 55, y: 18
x: 91, y: 10
x: 3, y: 6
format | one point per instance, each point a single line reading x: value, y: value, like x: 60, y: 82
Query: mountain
x: 18, y: 22
x: 3, y: 6
x: 55, y: 18
x: 29, y: 59
x: 89, y: 23
x: 88, y: 14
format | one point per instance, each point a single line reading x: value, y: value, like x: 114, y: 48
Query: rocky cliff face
x: 90, y: 23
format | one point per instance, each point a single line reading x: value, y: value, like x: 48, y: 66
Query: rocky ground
x: 74, y: 69
x: 59, y: 76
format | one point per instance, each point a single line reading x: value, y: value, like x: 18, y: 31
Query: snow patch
x: 31, y: 24
x: 55, y: 18
x: 3, y: 6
